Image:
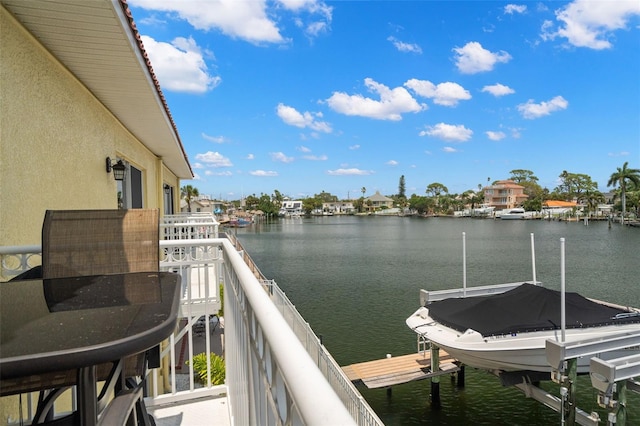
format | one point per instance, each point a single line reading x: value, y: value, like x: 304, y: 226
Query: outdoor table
x: 77, y: 323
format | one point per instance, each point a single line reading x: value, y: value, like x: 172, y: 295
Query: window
x: 168, y: 199
x: 130, y: 190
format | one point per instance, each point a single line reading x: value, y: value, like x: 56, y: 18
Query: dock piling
x: 435, y: 380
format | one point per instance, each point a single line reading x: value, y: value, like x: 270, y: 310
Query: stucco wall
x: 55, y: 137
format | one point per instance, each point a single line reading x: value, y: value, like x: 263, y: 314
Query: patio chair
x: 95, y: 242
x: 98, y: 242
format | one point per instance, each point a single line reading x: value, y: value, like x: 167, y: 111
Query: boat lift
x: 612, y: 378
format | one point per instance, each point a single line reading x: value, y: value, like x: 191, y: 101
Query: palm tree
x: 592, y: 198
x: 621, y: 178
x: 189, y: 192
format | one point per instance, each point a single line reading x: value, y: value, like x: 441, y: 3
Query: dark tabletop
x: 66, y: 323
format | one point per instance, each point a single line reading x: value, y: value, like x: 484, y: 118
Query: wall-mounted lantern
x: 167, y: 189
x: 119, y: 169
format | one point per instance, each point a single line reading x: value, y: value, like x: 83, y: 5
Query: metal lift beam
x: 558, y: 352
x: 604, y: 374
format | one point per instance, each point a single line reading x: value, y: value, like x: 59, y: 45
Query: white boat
x: 508, y: 331
x: 512, y: 214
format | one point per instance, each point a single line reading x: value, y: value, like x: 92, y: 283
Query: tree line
x: 578, y: 187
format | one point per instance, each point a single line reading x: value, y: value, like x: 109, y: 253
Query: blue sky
x: 305, y: 96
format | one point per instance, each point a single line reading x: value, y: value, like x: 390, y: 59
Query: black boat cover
x: 523, y: 309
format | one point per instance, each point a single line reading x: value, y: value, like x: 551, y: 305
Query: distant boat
x: 483, y: 210
x: 512, y: 214
x: 239, y: 222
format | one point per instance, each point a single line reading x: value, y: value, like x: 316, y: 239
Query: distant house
x: 79, y: 96
x: 504, y: 194
x: 291, y: 208
x: 338, y: 207
x: 377, y: 201
x: 558, y: 207
x: 202, y: 204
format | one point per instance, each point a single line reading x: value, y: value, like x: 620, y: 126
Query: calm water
x: 356, y: 280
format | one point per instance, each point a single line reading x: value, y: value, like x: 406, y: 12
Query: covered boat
x: 508, y: 331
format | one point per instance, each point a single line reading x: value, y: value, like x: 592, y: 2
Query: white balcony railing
x: 277, y: 371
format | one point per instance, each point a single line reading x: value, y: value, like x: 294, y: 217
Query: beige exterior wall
x: 54, y: 139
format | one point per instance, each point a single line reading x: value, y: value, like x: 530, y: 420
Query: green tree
x: 435, y: 190
x: 572, y: 185
x: 188, y: 193
x: 401, y: 188
x: 326, y: 197
x: 277, y: 199
x: 310, y: 204
x: 251, y: 202
x: 591, y: 198
x: 360, y: 202
x: 633, y: 198
x: 621, y: 178
x: 267, y: 205
x: 522, y: 175
x: 421, y: 204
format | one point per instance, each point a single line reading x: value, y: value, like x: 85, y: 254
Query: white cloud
x: 316, y: 157
x: 448, y: 132
x: 392, y: 163
x: 294, y: 118
x: 303, y: 149
x: 246, y: 20
x: 265, y: 173
x: 515, y: 8
x: 495, y: 136
x: 180, y: 66
x: 214, y: 159
x: 354, y: 147
x: 404, y: 47
x: 212, y: 173
x: 320, y: 15
x: 349, y: 172
x: 447, y: 94
x: 449, y: 149
x: 473, y: 58
x: 280, y: 157
x: 587, y: 23
x: 198, y: 166
x: 214, y: 139
x: 255, y: 21
x: 251, y: 157
x: 392, y: 104
x: 531, y: 110
x: 618, y: 154
x: 498, y: 90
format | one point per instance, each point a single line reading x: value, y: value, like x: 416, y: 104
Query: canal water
x: 356, y: 279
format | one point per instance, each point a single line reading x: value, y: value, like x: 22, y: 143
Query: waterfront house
x: 291, y: 208
x: 558, y: 207
x: 338, y: 207
x: 377, y: 202
x: 504, y: 194
x: 202, y: 204
x: 80, y: 101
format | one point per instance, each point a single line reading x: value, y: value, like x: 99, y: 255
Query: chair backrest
x: 97, y: 242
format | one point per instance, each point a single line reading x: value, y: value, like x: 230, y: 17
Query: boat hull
x: 522, y: 351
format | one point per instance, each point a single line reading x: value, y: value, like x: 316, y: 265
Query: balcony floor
x: 213, y: 411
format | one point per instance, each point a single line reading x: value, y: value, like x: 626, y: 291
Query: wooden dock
x: 398, y: 369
